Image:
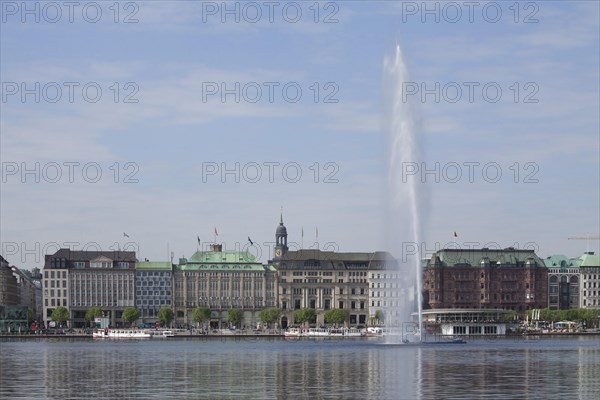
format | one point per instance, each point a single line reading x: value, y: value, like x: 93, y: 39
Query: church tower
x: 280, y: 240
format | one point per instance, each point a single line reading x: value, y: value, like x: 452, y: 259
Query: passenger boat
x: 293, y: 332
x: 324, y: 332
x: 374, y: 331
x: 163, y: 334
x: 120, y: 334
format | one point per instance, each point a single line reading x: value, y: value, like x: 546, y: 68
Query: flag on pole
x: 455, y: 235
x: 198, y: 239
x: 302, y: 231
x: 216, y: 233
x: 126, y: 235
x: 251, y: 242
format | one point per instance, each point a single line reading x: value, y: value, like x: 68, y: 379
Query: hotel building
x: 507, y: 279
x: 80, y: 280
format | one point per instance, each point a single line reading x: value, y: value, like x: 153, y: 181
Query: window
x: 296, y: 304
x: 327, y: 304
x: 341, y: 304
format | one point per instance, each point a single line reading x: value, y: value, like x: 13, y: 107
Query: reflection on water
x: 276, y: 368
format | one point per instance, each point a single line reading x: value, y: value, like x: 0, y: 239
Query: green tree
x: 30, y: 315
x: 165, y: 315
x: 335, y: 316
x: 201, y: 314
x: 509, y: 316
x: 379, y: 316
x: 304, y: 315
x: 234, y: 316
x: 92, y: 313
x: 269, y: 315
x: 60, y: 315
x: 131, y: 314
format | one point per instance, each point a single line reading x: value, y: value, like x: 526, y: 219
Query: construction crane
x: 588, y: 238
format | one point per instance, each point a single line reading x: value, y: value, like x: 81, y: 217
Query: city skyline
x: 148, y: 157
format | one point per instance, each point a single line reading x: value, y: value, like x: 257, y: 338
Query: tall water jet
x: 405, y: 195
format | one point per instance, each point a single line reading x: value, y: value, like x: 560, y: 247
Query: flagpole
x: 302, y: 243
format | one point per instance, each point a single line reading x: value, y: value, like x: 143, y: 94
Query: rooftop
x: 474, y: 257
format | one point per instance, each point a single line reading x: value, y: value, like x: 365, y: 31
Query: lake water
x: 276, y: 368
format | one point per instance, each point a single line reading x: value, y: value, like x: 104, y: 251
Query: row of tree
x: 165, y: 315
x: 588, y: 315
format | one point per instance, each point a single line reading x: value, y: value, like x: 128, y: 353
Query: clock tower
x: 280, y: 240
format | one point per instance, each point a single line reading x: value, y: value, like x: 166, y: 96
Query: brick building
x: 508, y: 279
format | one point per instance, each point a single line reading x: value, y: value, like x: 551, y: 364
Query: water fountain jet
x: 405, y: 199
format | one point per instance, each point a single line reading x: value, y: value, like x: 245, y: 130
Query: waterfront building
x: 563, y: 282
x: 324, y: 280
x: 464, y: 322
x: 9, y: 294
x: 220, y: 280
x: 508, y: 279
x: 589, y: 269
x: 153, y: 288
x: 80, y: 280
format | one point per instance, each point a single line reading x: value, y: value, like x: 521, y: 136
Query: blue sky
x: 545, y: 124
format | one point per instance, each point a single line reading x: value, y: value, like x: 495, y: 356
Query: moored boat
x: 120, y: 334
x: 324, y: 332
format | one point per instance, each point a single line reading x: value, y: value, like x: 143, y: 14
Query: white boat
x: 293, y: 332
x: 120, y: 334
x: 324, y: 332
x: 163, y: 334
x: 374, y: 331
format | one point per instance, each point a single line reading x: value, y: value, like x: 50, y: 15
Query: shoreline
x: 271, y: 335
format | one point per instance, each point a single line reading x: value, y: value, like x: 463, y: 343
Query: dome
x: 281, y: 229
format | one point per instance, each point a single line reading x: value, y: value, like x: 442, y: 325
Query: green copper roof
x: 232, y: 261
x: 222, y: 257
x: 589, y: 260
x: 473, y: 257
x: 154, y: 265
x: 558, y: 261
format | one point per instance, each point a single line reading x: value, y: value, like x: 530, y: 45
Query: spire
x: 281, y: 219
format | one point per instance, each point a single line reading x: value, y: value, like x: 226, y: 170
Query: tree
x: 165, y: 315
x: 269, y: 315
x: 304, y: 315
x: 60, y: 314
x: 234, y: 316
x: 131, y: 314
x: 92, y: 313
x: 201, y: 314
x: 510, y: 316
x: 379, y: 316
x: 336, y: 316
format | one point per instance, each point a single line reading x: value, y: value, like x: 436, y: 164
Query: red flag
x: 455, y: 235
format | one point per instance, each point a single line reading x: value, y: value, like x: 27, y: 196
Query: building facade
x: 589, y: 269
x: 563, y: 282
x: 507, y: 279
x: 324, y: 280
x: 220, y: 280
x: 80, y: 280
x: 153, y: 288
x: 9, y: 292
